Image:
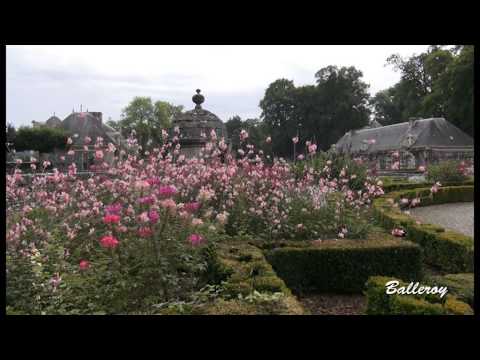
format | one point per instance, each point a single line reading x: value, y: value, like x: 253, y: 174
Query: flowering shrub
x: 131, y: 235
x: 448, y: 171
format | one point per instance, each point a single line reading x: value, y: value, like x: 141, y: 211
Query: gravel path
x: 334, y: 304
x: 454, y: 216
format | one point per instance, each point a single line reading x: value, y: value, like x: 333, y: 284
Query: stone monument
x: 195, y: 127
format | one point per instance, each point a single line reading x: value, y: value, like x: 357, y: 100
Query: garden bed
x: 380, y: 303
x: 448, y: 250
x: 249, y: 285
x: 404, y: 185
x: 343, y: 266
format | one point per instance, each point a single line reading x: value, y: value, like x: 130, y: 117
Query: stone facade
x: 195, y: 127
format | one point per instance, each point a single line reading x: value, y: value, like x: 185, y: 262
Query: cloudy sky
x: 42, y: 80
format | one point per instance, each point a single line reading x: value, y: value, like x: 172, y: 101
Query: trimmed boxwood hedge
x: 400, y: 186
x: 447, y: 250
x: 242, y: 269
x: 344, y: 265
x: 460, y: 285
x: 380, y: 303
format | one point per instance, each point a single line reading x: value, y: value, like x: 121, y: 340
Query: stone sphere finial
x: 198, y: 99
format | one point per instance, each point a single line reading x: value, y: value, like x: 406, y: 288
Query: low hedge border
x: 447, y: 250
x: 242, y: 270
x: 400, y: 186
x: 460, y: 285
x: 381, y: 303
x: 343, y: 265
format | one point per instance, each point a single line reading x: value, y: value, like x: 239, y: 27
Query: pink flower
x: 395, y: 165
x: 421, y: 168
x: 243, y: 135
x: 69, y: 141
x: 146, y: 200
x: 341, y: 235
x: 195, y: 239
x: 300, y: 157
x: 415, y: 202
x: 113, y: 209
x: 145, y: 232
x: 71, y: 153
x: 87, y: 140
x: 153, y: 181
x: 312, y: 148
x: 109, y: 242
x: 372, y: 141
x: 153, y: 216
x: 192, y: 207
x: 167, y: 191
x: 99, y: 154
x: 196, y: 222
x: 396, y: 154
x: 111, y: 219
x: 84, y: 265
x: 398, y: 232
x: 169, y: 204
x: 143, y: 217
x: 268, y: 140
x: 295, y: 140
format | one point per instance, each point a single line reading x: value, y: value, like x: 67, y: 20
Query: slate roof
x: 86, y: 124
x: 54, y: 121
x: 434, y: 132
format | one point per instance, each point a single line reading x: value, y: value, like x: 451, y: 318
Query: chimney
x: 412, y: 121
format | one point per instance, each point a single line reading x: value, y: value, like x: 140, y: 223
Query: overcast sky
x: 42, y: 80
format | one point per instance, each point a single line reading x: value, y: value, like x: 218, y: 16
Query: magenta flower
x: 195, y: 239
x: 153, y: 216
x: 113, y: 209
x: 109, y: 242
x: 167, y: 191
x: 153, y: 181
x: 111, y: 219
x: 192, y: 207
x: 84, y: 265
x: 146, y: 200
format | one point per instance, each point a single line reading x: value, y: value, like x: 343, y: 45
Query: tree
x: 256, y: 132
x: 438, y: 83
x: 234, y: 126
x: 42, y: 139
x: 459, y: 77
x: 165, y: 112
x: 321, y: 113
x: 342, y: 103
x: 278, y: 113
x: 10, y: 133
x: 147, y: 120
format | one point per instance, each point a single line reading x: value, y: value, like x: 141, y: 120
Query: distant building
x: 82, y: 125
x: 419, y: 142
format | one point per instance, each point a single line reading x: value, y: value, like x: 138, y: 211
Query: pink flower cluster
x: 109, y: 242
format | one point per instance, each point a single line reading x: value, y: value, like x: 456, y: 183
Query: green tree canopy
x: 42, y: 139
x: 438, y: 83
x: 321, y: 113
x: 147, y: 119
